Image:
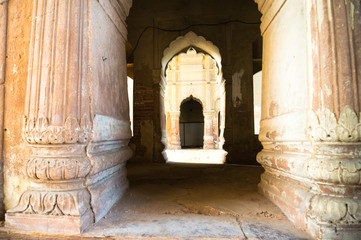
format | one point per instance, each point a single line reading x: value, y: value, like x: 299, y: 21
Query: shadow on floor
x: 183, y: 201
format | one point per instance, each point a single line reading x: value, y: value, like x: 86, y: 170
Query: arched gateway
x: 198, y: 75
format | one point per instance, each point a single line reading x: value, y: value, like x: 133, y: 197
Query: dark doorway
x: 191, y: 124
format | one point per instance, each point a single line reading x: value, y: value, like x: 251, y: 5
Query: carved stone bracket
x: 324, y: 127
x: 71, y: 203
x: 327, y: 209
x: 39, y: 132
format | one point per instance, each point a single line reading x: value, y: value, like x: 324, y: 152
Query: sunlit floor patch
x: 199, y: 156
x: 188, y: 201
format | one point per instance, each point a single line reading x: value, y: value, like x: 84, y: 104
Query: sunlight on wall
x: 257, y: 100
x: 130, y: 98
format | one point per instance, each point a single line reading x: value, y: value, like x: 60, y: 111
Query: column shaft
x: 208, y: 131
x: 174, y: 138
x: 334, y: 117
x: 57, y: 126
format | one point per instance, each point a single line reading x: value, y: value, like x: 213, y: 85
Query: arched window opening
x: 191, y: 124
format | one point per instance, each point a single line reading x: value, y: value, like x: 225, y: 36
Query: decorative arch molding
x: 195, y: 98
x: 188, y: 40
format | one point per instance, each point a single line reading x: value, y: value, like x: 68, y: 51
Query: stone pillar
x: 208, y: 138
x: 208, y: 131
x: 174, y: 143
x: 334, y: 123
x: 56, y: 124
x: 174, y: 114
x: 222, y: 119
x: 76, y: 116
x: 215, y: 131
x: 3, y: 38
x: 3, y: 34
x: 310, y: 127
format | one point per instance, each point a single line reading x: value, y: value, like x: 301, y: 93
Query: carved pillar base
x: 335, y: 209
x: 37, y: 218
x: 332, y: 217
x: 289, y: 195
x: 108, y: 179
x: 285, y: 179
x: 57, y: 201
x: 320, y: 192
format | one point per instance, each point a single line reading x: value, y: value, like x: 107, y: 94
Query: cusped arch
x: 189, y: 40
x: 189, y: 98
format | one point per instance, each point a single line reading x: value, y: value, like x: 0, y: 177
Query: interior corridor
x: 184, y: 201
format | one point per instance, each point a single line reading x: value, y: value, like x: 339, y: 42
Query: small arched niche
x: 196, y: 76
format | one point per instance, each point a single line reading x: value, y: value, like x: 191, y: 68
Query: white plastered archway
x: 205, y: 82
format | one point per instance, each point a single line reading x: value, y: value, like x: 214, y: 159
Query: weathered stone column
x: 310, y: 127
x: 208, y: 130
x: 3, y: 33
x: 3, y: 39
x: 174, y: 143
x: 56, y: 123
x: 174, y: 114
x: 215, y: 130
x: 334, y: 123
x: 208, y: 138
x: 76, y: 115
x: 222, y: 115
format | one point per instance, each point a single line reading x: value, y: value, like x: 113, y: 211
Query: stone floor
x: 179, y: 201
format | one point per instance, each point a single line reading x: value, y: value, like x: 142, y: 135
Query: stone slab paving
x: 177, y: 201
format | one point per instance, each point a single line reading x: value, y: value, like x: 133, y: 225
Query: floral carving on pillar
x: 51, y: 203
x: 324, y: 126
x: 39, y: 132
x: 336, y: 210
x: 48, y: 169
x: 335, y: 170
